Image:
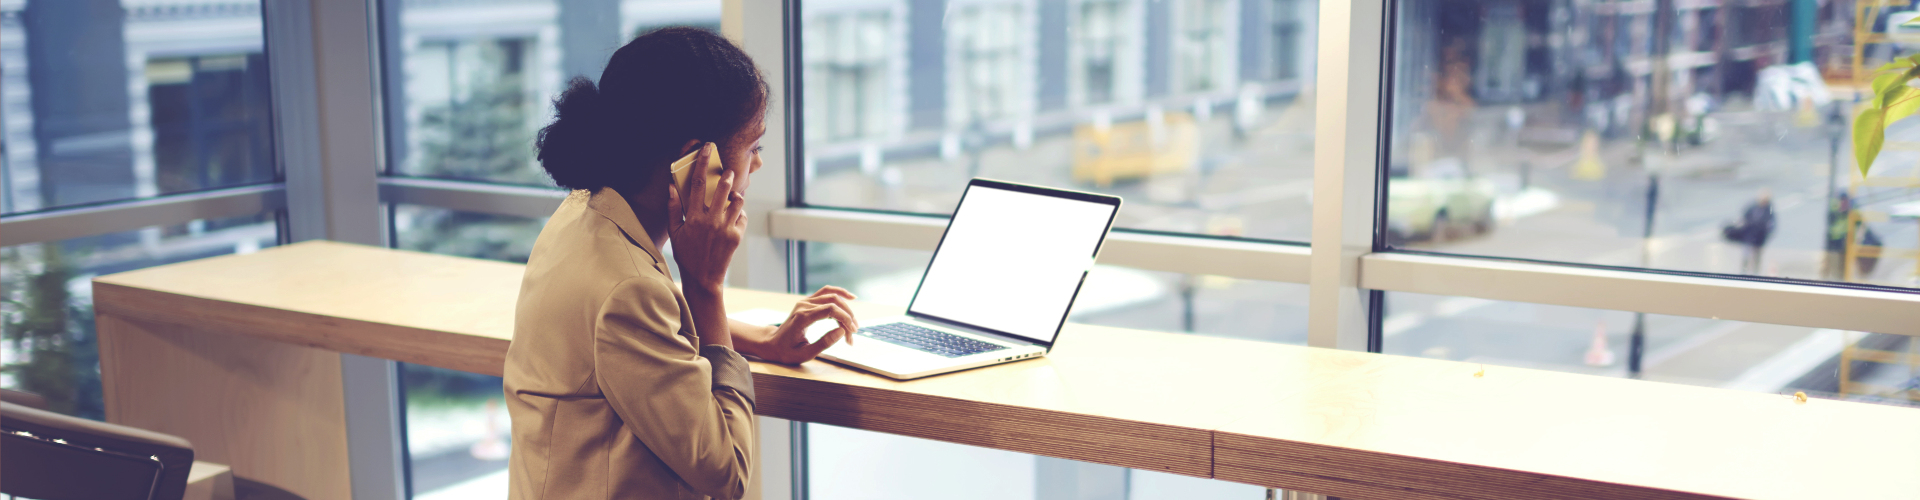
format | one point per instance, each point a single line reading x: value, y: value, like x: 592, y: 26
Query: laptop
x: 998, y: 288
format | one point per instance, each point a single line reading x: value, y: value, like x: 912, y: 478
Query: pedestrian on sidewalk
x: 1755, y: 226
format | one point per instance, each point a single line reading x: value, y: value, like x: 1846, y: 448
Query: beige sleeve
x: 692, y: 407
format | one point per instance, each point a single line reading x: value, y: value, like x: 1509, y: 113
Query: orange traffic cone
x: 1599, y: 355
x: 491, y: 447
x: 1805, y: 116
x: 1588, y: 167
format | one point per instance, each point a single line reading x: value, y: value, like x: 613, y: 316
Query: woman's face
x: 744, y: 153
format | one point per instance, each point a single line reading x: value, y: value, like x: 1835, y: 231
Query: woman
x: 621, y: 384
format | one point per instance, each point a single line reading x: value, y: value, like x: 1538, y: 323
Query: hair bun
x: 568, y: 146
x: 659, y: 92
x: 580, y: 99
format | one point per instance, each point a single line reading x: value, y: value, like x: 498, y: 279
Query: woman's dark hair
x: 660, y: 90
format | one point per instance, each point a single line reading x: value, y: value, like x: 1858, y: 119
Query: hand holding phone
x: 708, y: 218
x: 684, y: 167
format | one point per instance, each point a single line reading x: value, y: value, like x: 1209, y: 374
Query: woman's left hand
x: 788, y: 343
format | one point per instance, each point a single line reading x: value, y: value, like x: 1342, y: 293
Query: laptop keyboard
x: 928, y: 340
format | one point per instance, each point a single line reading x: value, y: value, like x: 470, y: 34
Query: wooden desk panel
x: 1527, y: 434
x: 1350, y: 424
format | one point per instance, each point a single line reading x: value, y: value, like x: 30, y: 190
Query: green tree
x: 482, y: 131
x: 56, y: 354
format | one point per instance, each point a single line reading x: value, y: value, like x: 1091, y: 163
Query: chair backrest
x: 52, y: 456
x: 27, y: 399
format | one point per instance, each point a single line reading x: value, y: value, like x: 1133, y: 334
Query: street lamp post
x: 1638, y: 345
x: 1835, y: 262
x: 1660, y: 102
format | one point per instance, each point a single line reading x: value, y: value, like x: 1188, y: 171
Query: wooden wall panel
x: 1355, y: 474
x: 270, y: 410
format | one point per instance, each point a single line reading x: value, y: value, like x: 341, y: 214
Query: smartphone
x: 683, y: 167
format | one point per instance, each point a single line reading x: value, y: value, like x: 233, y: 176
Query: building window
x: 1286, y: 39
x: 849, y: 61
x: 475, y: 111
x: 988, y: 56
x: 1104, y: 67
x: 1204, y: 45
x: 108, y: 101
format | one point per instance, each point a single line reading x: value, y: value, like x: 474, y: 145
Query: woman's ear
x: 689, y: 146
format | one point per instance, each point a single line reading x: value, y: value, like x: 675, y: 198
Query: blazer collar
x: 610, y: 204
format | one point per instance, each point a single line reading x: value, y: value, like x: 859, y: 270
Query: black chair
x: 46, y: 455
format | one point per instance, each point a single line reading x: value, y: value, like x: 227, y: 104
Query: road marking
x: 1399, y: 323
x: 1459, y: 305
x: 1269, y: 193
x: 1791, y: 363
x: 1656, y: 358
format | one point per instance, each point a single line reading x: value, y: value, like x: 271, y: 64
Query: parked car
x: 1442, y: 202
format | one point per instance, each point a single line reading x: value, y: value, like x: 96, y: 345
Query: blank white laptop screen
x: 1012, y: 261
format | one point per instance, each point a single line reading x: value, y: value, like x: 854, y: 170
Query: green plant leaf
x: 1899, y: 110
x: 1899, y: 91
x: 1887, y: 82
x: 1869, y: 134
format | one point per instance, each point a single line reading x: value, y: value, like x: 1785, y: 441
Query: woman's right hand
x: 710, y: 227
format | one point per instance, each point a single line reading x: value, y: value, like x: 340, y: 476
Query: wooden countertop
x: 1348, y: 424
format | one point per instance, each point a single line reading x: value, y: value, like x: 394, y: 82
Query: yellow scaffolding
x: 1853, y: 352
x: 1866, y: 13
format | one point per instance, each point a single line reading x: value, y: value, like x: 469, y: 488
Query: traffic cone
x: 1804, y: 115
x: 491, y: 447
x: 1599, y: 355
x: 1588, y: 167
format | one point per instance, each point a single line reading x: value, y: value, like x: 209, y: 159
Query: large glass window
x: 1674, y: 135
x: 472, y: 86
x: 107, y: 102
x: 469, y: 84
x: 1782, y: 359
x: 456, y: 422
x: 47, y: 342
x: 1202, y: 125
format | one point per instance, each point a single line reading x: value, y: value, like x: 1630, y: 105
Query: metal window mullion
x: 77, y: 222
x: 764, y: 261
x: 1346, y: 160
x: 1808, y: 305
x: 320, y: 54
x: 497, y: 199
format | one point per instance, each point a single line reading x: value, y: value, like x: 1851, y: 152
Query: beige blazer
x: 611, y: 395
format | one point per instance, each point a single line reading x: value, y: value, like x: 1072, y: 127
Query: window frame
x: 1368, y: 26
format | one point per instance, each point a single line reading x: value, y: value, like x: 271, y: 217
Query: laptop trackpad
x: 879, y: 354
